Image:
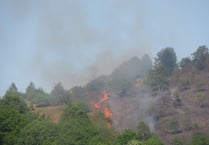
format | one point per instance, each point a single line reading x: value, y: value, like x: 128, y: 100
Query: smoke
x: 128, y: 111
x: 70, y: 49
x: 71, y: 42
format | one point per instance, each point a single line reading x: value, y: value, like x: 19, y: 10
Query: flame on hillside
x: 97, y: 105
x: 100, y: 105
x: 106, y: 110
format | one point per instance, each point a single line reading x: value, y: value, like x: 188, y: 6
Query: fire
x: 98, y: 105
x: 104, y: 98
x: 107, y: 112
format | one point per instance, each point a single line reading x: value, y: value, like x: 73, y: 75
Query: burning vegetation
x: 100, y: 105
x: 175, y: 110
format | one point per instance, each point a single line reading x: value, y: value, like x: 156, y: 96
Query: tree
x: 98, y: 84
x: 143, y: 131
x: 14, y: 101
x: 185, y: 62
x: 60, y: 94
x: 146, y: 65
x: 200, y: 56
x: 167, y: 58
x: 75, y: 126
x: 125, y: 137
x: 157, y: 78
x: 38, y: 132
x: 79, y: 92
x: 12, y: 88
x: 31, y: 91
x: 10, y: 124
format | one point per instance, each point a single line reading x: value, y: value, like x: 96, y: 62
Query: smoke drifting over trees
x: 51, y: 41
x: 64, y: 43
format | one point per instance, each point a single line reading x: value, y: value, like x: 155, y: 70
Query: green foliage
x: 38, y: 133
x: 201, y: 96
x: 153, y: 140
x: 30, y: 92
x: 14, y: 115
x: 143, y: 131
x: 10, y: 124
x: 98, y: 140
x: 14, y: 101
x: 75, y: 110
x: 123, y: 77
x: 200, y: 140
x: 185, y: 63
x: 78, y: 92
x: 59, y: 95
x: 12, y: 88
x: 100, y: 123
x: 157, y: 78
x: 99, y: 84
x: 167, y: 58
x: 126, y: 136
x: 19, y: 127
x: 39, y: 97
x: 135, y: 142
x: 76, y: 128
x: 200, y: 56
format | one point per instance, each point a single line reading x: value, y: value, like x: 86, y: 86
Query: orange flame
x: 104, y: 98
x: 98, y: 105
x: 107, y: 112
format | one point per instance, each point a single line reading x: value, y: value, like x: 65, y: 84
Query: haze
x: 74, y: 41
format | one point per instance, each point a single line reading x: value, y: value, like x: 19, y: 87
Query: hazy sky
x: 73, y: 41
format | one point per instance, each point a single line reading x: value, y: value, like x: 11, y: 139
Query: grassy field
x: 53, y: 113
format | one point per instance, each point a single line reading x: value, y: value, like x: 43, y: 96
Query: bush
x: 143, y: 131
x: 126, y: 136
x: 200, y: 140
x: 14, y: 101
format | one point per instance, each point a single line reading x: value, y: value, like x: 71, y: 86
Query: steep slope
x: 129, y: 100
x: 183, y: 108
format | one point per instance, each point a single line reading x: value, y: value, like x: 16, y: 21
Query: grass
x: 53, y: 113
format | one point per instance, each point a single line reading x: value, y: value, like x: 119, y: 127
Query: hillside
x: 177, y: 111
x: 182, y: 110
x: 138, y: 103
x: 175, y: 106
x: 53, y: 113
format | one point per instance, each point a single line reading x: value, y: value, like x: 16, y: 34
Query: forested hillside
x: 139, y: 103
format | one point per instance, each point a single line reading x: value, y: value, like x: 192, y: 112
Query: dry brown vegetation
x: 184, y: 111
x: 53, y: 113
